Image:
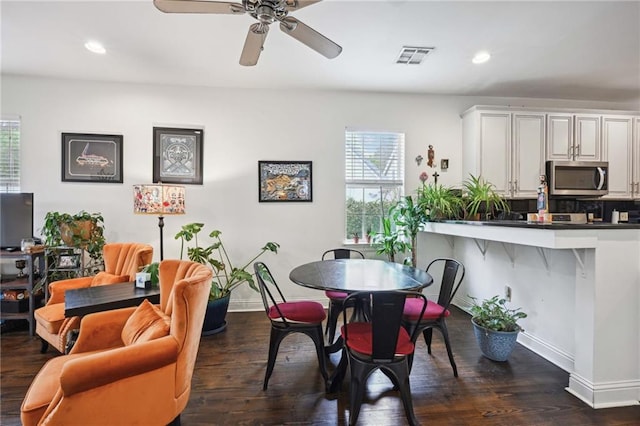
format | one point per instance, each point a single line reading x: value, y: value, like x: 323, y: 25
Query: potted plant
x: 81, y: 230
x: 481, y: 199
x: 410, y: 218
x: 226, y: 276
x: 496, y: 327
x: 388, y: 242
x: 356, y: 237
x: 440, y: 202
x: 154, y: 271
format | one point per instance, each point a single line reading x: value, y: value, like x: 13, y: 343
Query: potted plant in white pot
x: 496, y: 327
x: 226, y: 276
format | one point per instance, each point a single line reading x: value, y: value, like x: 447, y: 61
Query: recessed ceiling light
x: 95, y: 47
x: 481, y: 57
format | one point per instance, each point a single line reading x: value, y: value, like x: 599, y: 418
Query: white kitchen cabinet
x: 505, y: 148
x: 573, y: 137
x: 618, y: 150
x: 527, y: 162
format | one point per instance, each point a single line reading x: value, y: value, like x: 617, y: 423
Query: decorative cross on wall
x: 435, y: 177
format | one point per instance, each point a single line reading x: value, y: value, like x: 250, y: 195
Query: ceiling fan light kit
x: 266, y: 12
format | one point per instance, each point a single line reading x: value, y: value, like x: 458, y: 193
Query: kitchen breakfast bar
x: 580, y: 285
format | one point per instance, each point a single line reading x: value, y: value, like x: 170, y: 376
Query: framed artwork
x: 177, y: 155
x: 284, y: 181
x: 68, y: 261
x: 91, y: 158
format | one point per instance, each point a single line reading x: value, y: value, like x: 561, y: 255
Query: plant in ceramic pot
x: 496, y: 327
x: 226, y: 276
x: 482, y: 201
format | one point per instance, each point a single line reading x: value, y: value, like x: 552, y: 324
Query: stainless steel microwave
x: 578, y: 178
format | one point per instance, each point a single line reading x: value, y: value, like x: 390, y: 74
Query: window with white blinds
x: 374, y: 178
x: 10, y: 155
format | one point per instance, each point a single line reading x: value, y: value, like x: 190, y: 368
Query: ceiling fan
x: 266, y: 12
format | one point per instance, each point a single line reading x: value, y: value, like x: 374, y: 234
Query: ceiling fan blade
x: 307, y: 35
x: 253, y: 44
x: 197, y: 6
x: 299, y: 4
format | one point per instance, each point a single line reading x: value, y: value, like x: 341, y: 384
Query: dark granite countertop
x: 554, y: 226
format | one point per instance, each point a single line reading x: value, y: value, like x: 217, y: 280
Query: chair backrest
x: 184, y: 293
x: 386, y: 308
x: 126, y: 258
x: 452, y: 275
x: 266, y: 283
x: 343, y: 253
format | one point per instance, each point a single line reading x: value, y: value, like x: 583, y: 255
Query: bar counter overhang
x: 604, y: 366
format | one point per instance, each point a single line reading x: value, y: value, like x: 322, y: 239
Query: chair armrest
x: 57, y: 288
x: 98, y: 369
x: 102, y: 330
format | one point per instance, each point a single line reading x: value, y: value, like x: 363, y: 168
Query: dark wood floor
x: 227, y: 384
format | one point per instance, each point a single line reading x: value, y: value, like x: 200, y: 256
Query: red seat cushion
x: 360, y: 339
x: 336, y: 294
x: 309, y: 312
x: 413, y: 306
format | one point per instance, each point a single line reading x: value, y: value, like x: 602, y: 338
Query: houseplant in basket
x: 496, y: 327
x: 226, y: 276
x: 82, y: 230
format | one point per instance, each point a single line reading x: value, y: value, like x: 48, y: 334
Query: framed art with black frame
x: 90, y: 157
x: 177, y: 155
x: 284, y: 181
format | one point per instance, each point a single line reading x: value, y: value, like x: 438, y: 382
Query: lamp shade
x: 158, y: 199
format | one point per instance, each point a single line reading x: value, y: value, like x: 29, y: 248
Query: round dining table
x: 350, y: 275
x: 356, y: 275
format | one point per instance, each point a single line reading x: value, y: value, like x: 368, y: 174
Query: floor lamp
x: 160, y: 200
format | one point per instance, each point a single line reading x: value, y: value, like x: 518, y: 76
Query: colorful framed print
x: 284, y: 181
x: 91, y: 158
x: 177, y: 155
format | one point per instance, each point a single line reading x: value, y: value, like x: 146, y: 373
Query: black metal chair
x: 336, y: 298
x: 436, y: 313
x: 289, y: 317
x: 383, y: 343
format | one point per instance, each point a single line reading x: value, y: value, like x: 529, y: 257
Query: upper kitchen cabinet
x: 573, y: 137
x: 506, y: 148
x: 620, y: 152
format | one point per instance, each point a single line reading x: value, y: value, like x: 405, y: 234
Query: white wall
x: 240, y: 128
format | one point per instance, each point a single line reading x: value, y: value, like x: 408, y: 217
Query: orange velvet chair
x: 121, y: 262
x: 129, y: 366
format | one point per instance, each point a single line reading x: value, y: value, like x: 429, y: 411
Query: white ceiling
x: 540, y: 49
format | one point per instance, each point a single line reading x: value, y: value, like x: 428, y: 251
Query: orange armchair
x: 108, y: 379
x: 121, y: 262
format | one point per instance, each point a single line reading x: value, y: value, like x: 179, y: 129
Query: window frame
x: 391, y: 148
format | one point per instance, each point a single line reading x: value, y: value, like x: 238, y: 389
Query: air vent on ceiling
x: 412, y: 55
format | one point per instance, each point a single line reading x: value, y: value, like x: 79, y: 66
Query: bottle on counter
x: 543, y: 200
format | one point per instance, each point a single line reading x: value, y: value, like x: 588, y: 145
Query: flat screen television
x: 16, y: 219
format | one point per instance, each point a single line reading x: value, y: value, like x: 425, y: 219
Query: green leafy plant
x: 81, y: 230
x: 481, y: 197
x: 440, y: 202
x: 226, y: 277
x: 410, y: 218
x: 494, y: 315
x: 154, y: 270
x: 388, y: 242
